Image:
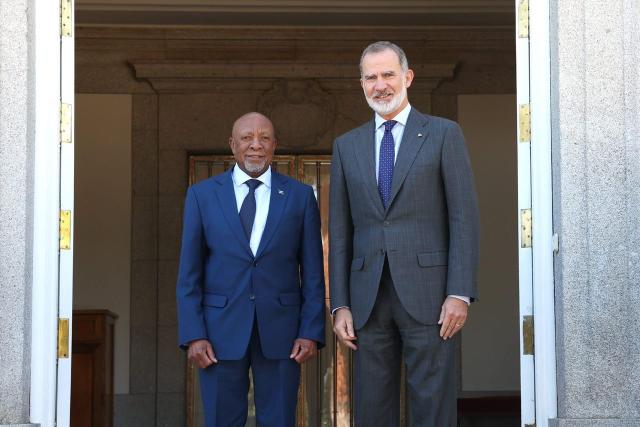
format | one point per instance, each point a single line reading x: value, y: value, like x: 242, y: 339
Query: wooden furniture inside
x: 92, y: 368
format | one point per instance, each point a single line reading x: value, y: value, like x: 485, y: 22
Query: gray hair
x: 381, y: 46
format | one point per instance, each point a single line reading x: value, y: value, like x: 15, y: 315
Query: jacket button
x: 252, y: 297
x: 387, y: 223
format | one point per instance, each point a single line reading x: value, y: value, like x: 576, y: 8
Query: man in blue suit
x: 250, y: 286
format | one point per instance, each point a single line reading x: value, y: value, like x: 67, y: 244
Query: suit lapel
x: 364, y: 151
x: 277, y: 202
x: 415, y: 133
x: 227, y: 198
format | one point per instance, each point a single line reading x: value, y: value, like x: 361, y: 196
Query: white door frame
x: 538, y: 370
x: 542, y: 213
x: 53, y: 190
x: 525, y: 258
x: 67, y: 173
x: 46, y: 206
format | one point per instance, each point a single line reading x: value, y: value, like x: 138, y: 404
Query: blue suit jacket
x: 221, y: 285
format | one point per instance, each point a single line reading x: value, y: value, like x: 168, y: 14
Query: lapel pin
x: 280, y: 192
x: 419, y: 135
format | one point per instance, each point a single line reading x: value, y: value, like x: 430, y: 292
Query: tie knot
x: 389, y: 124
x: 253, y: 184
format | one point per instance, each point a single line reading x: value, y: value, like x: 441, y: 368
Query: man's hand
x: 303, y: 349
x: 452, y: 317
x: 201, y: 353
x: 343, y: 328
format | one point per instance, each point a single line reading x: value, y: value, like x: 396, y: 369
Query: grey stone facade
x: 596, y: 187
x: 16, y: 159
x: 596, y: 183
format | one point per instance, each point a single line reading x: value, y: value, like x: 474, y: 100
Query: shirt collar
x: 401, y: 117
x: 240, y: 177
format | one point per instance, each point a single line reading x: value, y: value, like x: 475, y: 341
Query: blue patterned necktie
x: 385, y: 163
x: 248, y: 209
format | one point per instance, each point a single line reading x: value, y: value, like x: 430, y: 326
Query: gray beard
x: 384, y: 108
x: 254, y: 167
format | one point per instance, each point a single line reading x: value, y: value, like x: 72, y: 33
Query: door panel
x: 525, y: 256
x: 67, y: 153
x: 326, y: 381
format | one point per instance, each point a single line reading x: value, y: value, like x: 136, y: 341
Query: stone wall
x: 16, y: 192
x: 596, y: 177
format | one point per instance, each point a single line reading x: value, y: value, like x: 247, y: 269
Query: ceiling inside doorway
x: 296, y: 12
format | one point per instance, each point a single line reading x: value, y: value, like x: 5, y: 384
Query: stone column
x: 16, y: 218
x: 595, y: 89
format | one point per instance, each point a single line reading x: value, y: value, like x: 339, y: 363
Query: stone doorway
x: 187, y: 85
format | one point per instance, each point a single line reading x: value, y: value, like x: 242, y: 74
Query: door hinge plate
x: 65, y: 18
x: 525, y: 228
x: 63, y: 338
x: 523, y: 19
x: 65, y: 229
x: 527, y: 335
x: 65, y: 123
x: 525, y: 122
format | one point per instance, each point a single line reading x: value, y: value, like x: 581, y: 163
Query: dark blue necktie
x: 385, y: 163
x: 248, y: 209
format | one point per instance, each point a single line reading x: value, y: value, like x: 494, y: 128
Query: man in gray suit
x: 403, y: 229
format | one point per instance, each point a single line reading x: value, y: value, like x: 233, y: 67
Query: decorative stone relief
x: 302, y: 112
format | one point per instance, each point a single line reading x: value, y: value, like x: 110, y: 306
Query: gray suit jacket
x: 429, y: 231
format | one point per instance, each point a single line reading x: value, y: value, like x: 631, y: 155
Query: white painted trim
x: 65, y: 287
x: 525, y: 255
x: 541, y: 200
x: 525, y: 258
x: 46, y: 201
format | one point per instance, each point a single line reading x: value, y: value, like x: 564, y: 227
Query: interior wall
x: 188, y: 85
x: 102, y: 252
x: 490, y: 344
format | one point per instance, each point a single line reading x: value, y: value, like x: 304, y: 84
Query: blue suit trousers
x: 226, y: 386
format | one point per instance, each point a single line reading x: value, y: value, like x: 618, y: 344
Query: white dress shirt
x: 263, y: 197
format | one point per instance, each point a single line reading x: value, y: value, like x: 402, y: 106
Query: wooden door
x: 325, y: 389
x: 92, y: 368
x: 326, y: 381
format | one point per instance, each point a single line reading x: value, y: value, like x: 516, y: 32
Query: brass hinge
x: 65, y: 18
x: 525, y: 228
x: 525, y: 122
x: 523, y: 19
x: 65, y: 229
x: 527, y: 335
x: 65, y: 123
x: 63, y: 338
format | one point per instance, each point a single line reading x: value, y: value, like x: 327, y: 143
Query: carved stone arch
x: 302, y: 112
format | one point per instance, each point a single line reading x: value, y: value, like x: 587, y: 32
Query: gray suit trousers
x: 390, y: 337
